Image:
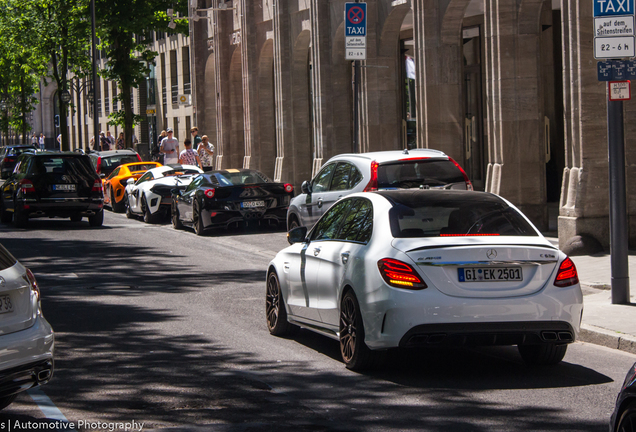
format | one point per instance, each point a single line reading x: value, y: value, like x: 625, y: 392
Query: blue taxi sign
x: 356, y: 19
x: 604, y: 8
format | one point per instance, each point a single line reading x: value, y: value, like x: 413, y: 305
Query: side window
x: 195, y: 184
x: 145, y: 178
x: 341, y: 177
x: 355, y: 177
x: 23, y: 164
x: 328, y: 226
x: 321, y: 182
x: 358, y: 224
x: 114, y: 173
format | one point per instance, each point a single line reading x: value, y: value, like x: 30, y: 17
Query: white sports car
x: 424, y: 268
x: 151, y: 197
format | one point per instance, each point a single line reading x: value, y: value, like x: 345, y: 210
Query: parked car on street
x: 105, y: 162
x: 624, y: 416
x: 425, y: 268
x: 52, y: 184
x: 151, y: 195
x: 26, y: 338
x: 349, y: 173
x: 115, y: 183
x: 233, y: 196
x: 9, y: 157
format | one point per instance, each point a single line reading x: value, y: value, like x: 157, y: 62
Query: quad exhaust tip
x: 552, y: 336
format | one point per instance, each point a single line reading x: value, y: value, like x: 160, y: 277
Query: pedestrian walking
x: 59, y: 142
x: 196, y: 139
x: 34, y: 140
x: 121, y: 142
x: 103, y: 142
x: 111, y: 140
x: 41, y: 141
x: 170, y: 148
x: 189, y: 156
x: 206, y: 153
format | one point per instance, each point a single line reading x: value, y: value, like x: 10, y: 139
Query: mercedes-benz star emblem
x: 491, y: 254
x: 2, y: 281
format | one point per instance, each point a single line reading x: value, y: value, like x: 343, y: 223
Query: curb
x: 607, y: 338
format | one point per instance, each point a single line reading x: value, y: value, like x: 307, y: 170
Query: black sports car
x: 624, y: 416
x: 52, y: 184
x: 233, y: 196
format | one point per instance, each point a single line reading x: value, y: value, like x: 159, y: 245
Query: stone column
x: 516, y: 168
x: 250, y: 57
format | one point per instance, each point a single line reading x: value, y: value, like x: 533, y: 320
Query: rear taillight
x: 97, y: 186
x: 99, y: 165
x: 8, y: 159
x: 209, y: 193
x: 469, y: 185
x: 139, y: 157
x: 33, y: 284
x: 567, y: 275
x: 26, y: 186
x: 373, y: 183
x: 400, y: 275
x: 289, y: 188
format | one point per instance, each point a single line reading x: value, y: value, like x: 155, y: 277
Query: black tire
x: 275, y: 313
x: 197, y: 222
x: 97, y: 219
x: 293, y: 223
x: 20, y: 218
x: 5, y: 216
x: 129, y: 213
x: 355, y: 353
x: 542, y: 354
x: 6, y: 401
x: 176, y: 222
x: 148, y: 217
x: 76, y: 218
x: 627, y: 420
x: 118, y: 207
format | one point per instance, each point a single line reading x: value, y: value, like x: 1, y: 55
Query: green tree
x: 124, y: 28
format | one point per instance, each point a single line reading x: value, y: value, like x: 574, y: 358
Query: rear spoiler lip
x: 482, y: 245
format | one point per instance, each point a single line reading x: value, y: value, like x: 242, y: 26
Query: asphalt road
x: 163, y: 327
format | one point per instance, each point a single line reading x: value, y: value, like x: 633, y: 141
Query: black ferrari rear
x: 226, y: 197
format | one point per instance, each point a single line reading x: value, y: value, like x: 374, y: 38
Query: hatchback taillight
x: 33, y: 284
x: 97, y: 186
x: 469, y: 185
x: 209, y: 193
x: 26, y: 186
x: 289, y: 188
x: 99, y: 165
x: 373, y: 183
x: 567, y: 274
x: 400, y: 275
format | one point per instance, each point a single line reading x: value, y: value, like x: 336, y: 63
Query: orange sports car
x: 115, y: 183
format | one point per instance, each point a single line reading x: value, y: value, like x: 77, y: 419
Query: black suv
x: 105, y: 162
x: 52, y: 184
x: 9, y: 157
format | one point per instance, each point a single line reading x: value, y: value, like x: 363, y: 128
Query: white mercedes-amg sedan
x: 425, y: 268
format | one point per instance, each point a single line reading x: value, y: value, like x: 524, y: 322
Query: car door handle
x: 345, y: 257
x: 319, y: 202
x: 316, y: 251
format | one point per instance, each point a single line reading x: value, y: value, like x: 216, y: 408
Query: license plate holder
x: 6, y: 305
x: 64, y: 187
x: 490, y: 274
x: 252, y: 204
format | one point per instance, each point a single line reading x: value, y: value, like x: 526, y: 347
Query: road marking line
x: 47, y: 406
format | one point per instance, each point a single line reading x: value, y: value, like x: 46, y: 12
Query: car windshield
x: 419, y: 172
x: 456, y: 216
x: 62, y: 165
x: 238, y: 178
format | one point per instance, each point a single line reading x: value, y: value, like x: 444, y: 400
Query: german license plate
x: 5, y: 304
x: 489, y: 274
x: 252, y: 204
x: 64, y: 187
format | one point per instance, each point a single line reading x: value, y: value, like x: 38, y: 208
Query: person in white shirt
x: 170, y: 148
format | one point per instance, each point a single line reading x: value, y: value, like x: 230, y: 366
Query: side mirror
x: 102, y: 176
x: 130, y: 181
x: 297, y: 235
x: 305, y: 187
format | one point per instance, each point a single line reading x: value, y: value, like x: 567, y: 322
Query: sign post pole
x: 356, y: 50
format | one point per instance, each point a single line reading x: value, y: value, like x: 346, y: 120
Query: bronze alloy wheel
x: 275, y: 312
x: 348, y: 333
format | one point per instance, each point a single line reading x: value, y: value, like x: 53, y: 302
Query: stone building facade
x: 507, y: 88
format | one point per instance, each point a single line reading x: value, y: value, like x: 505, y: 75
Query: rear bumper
x: 26, y: 357
x: 84, y: 207
x: 228, y: 217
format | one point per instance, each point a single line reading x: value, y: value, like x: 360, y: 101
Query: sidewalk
x: 605, y: 323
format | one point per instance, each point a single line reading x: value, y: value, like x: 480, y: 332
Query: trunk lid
x: 492, y: 269
x: 18, y: 303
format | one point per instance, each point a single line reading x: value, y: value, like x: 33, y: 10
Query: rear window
x: 62, y: 165
x: 421, y: 172
x: 6, y: 259
x: 16, y: 151
x: 112, y: 162
x: 142, y: 167
x: 240, y: 178
x: 449, y: 217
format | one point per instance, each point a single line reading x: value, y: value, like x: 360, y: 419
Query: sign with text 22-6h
x: 614, y: 29
x: 355, y: 31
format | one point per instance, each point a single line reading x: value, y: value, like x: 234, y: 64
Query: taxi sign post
x: 356, y: 50
x: 614, y: 39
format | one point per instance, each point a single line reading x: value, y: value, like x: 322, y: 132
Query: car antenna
x: 406, y: 151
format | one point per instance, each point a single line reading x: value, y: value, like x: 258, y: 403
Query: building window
x: 185, y: 59
x: 174, y: 77
x: 164, y: 92
x: 114, y: 96
x: 106, y: 99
